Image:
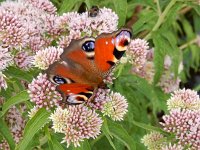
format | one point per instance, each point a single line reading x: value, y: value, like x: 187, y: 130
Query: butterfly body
x: 85, y: 63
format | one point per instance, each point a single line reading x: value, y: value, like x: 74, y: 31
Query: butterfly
x: 85, y: 63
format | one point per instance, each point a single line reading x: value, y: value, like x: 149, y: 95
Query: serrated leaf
x: 121, y: 134
x: 20, y: 97
x: 4, y: 130
x: 18, y: 73
x: 121, y: 10
x: 32, y: 127
x: 144, y: 19
x: 159, y: 55
x: 172, y: 15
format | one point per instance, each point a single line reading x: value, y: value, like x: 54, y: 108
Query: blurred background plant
x: 157, y: 111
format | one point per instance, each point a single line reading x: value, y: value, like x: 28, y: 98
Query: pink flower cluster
x: 183, y: 119
x: 23, y: 60
x: 42, y: 92
x: 185, y: 124
x: 16, y: 122
x: 13, y: 32
x: 46, y: 57
x: 77, y: 123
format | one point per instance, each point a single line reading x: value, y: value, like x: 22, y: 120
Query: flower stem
x: 161, y: 18
x: 158, y: 7
x: 188, y: 43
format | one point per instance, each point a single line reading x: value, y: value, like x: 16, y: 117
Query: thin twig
x: 188, y: 43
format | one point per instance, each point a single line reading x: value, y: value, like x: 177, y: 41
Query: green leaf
x: 33, y: 126
x: 121, y: 134
x: 18, y: 73
x: 149, y: 127
x: 20, y: 97
x: 171, y: 49
x: 107, y: 133
x: 67, y: 5
x: 83, y: 146
x: 188, y: 29
x: 4, y: 130
x: 159, y: 55
x: 121, y: 10
x: 144, y: 19
x: 53, y: 143
x: 172, y: 15
x: 144, y: 2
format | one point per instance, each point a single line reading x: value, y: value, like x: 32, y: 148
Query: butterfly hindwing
x: 75, y: 93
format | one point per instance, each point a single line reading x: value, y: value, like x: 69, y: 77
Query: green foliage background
x: 171, y: 26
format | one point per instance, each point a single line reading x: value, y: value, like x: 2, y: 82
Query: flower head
x: 185, y: 124
x: 106, y: 22
x: 64, y: 41
x: 4, y: 145
x: 59, y: 118
x: 137, y: 52
x: 154, y: 141
x: 116, y: 107
x: 32, y: 112
x: 45, y: 5
x: 5, y: 58
x: 43, y: 93
x: 172, y: 147
x: 185, y: 99
x: 101, y: 97
x: 47, y: 56
x: 16, y: 123
x: 77, y: 123
x: 13, y: 33
x: 23, y: 60
x: 109, y: 78
x: 168, y: 83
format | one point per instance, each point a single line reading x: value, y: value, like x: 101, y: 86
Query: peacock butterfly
x: 85, y: 63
